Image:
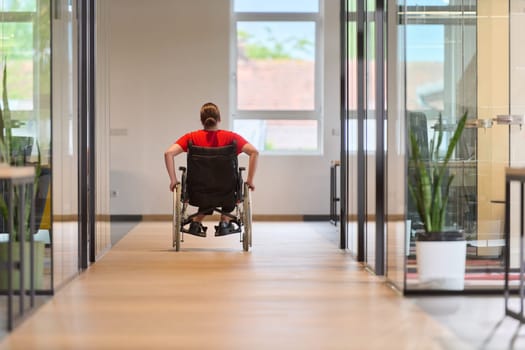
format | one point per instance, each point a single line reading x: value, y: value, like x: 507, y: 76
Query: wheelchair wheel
x: 247, y: 219
x: 177, y: 217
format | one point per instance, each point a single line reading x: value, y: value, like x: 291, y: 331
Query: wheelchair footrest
x: 196, y: 229
x: 227, y: 228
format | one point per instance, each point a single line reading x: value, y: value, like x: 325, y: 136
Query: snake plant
x: 6, y: 149
x: 426, y: 182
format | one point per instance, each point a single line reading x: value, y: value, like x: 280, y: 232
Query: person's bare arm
x: 253, y: 153
x: 170, y: 153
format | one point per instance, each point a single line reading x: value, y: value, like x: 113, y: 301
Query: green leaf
x: 426, y: 183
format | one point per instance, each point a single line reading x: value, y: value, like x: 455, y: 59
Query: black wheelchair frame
x: 207, y: 196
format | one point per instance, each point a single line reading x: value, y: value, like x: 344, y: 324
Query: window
x: 276, y: 6
x: 25, y: 33
x: 276, y: 81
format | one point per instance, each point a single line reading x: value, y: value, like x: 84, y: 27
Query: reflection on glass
x: 25, y: 84
x: 65, y: 150
x: 370, y: 138
x: 19, y: 5
x: 425, y: 57
x: 351, y: 126
x: 276, y: 6
x: 25, y: 105
x: 351, y: 60
x: 18, y: 53
x: 279, y: 135
x: 449, y: 71
x: 276, y: 66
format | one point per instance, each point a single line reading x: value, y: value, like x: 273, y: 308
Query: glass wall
x: 440, y: 59
x: 517, y: 81
x: 26, y: 84
x: 79, y: 242
x: 364, y: 130
x: 457, y: 59
x: 350, y: 117
x: 25, y: 135
x: 517, y: 111
x: 445, y: 59
x: 396, y: 240
x: 102, y: 134
x: 65, y: 142
x: 39, y: 78
x: 370, y: 137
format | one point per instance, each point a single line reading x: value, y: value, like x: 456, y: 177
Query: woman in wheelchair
x: 211, y: 137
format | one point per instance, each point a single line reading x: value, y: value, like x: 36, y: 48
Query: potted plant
x: 12, y: 155
x: 441, y: 253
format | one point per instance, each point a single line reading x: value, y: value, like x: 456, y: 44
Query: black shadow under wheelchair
x: 212, y: 181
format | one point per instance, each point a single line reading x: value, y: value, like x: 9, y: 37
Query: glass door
x: 374, y: 134
x: 445, y: 58
x: 25, y: 140
x: 65, y: 140
x: 364, y: 106
x: 517, y: 81
x: 484, y: 248
x: 467, y: 56
x: 350, y: 108
x: 370, y: 134
x: 517, y: 114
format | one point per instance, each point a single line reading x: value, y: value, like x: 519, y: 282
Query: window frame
x: 263, y: 114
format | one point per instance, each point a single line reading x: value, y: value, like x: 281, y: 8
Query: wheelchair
x: 212, y: 180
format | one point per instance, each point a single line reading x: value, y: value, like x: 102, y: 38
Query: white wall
x: 168, y: 57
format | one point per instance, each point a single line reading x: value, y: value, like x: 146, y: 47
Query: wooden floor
x: 294, y: 290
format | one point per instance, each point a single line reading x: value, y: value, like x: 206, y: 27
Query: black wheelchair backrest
x: 213, y: 177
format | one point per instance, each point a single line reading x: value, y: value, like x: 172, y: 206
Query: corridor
x: 294, y: 290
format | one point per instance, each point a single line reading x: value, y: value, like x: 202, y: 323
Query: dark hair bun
x: 210, y: 115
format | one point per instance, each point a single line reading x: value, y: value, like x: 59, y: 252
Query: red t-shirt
x: 211, y: 138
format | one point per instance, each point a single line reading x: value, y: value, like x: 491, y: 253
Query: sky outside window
x: 425, y: 43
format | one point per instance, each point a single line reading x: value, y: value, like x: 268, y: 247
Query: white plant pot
x: 38, y: 265
x: 441, y: 264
